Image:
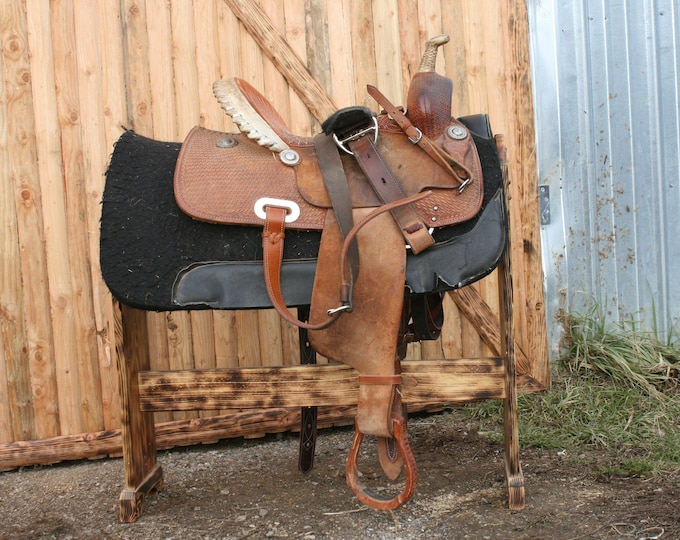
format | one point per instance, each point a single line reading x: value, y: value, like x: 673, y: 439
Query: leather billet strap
x: 459, y: 171
x: 352, y: 131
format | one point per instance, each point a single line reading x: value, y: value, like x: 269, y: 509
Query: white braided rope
x: 247, y: 119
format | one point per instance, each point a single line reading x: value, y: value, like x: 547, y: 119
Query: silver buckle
x: 417, y: 140
x: 429, y: 230
x: 357, y: 135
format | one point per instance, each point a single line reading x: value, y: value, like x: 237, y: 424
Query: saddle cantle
x: 377, y: 186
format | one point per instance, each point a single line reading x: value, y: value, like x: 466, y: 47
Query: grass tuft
x: 625, y: 354
x: 616, y: 388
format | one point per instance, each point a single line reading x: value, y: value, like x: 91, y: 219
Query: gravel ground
x: 252, y: 489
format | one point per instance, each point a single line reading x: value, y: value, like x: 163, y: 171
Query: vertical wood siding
x: 74, y: 74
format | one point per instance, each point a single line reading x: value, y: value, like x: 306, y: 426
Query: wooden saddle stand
x: 406, y: 210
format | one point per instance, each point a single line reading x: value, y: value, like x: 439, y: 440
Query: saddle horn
x: 429, y: 59
x: 429, y: 95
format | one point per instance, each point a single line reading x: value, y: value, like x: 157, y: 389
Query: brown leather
x: 379, y: 295
x: 335, y: 181
x: 272, y: 251
x: 390, y: 458
x: 266, y: 110
x: 221, y: 184
x: 388, y: 189
x: 414, y: 171
x: 369, y: 497
x: 416, y: 136
x: 427, y: 92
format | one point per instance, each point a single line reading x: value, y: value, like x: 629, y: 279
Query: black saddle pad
x: 155, y: 257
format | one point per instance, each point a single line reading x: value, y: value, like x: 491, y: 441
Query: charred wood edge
x: 473, y: 307
x: 248, y: 424
x: 209, y: 430
x: 330, y: 384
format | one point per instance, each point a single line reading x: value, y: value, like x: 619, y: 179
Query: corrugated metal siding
x: 606, y: 93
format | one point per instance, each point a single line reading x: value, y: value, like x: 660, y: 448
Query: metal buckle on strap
x: 420, y: 136
x: 357, y: 135
x: 430, y: 230
x: 339, y: 309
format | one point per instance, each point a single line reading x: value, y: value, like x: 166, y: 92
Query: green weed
x: 616, y: 388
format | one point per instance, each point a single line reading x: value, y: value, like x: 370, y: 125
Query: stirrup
x: 365, y: 495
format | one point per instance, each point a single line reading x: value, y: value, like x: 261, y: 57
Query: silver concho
x: 226, y: 142
x: 289, y: 157
x: 457, y: 132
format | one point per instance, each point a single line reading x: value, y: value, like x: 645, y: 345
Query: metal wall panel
x: 606, y: 93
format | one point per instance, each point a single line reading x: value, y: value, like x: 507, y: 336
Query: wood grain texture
x: 75, y: 74
x: 274, y: 45
x: 425, y: 381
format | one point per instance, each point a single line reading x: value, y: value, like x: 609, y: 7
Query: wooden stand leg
x: 513, y: 467
x: 308, y: 415
x: 143, y: 475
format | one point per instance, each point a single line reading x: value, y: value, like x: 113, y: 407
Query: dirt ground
x: 252, y: 489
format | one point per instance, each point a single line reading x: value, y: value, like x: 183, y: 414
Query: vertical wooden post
x: 513, y: 468
x: 143, y: 475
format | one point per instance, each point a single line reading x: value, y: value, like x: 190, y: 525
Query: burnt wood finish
x: 143, y: 474
x: 425, y: 381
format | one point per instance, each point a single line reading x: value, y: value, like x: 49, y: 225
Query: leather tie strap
x: 335, y: 181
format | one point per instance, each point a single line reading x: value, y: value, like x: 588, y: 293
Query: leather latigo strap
x: 338, y: 191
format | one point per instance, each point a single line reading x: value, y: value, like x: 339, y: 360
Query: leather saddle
x: 377, y: 187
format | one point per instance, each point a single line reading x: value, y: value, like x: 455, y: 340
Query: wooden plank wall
x: 75, y: 73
